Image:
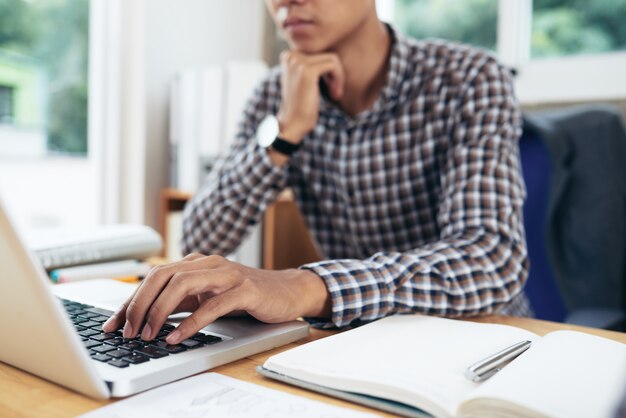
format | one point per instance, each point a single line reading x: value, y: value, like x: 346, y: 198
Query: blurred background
x: 84, y: 85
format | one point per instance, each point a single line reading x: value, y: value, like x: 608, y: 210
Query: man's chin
x: 308, y: 48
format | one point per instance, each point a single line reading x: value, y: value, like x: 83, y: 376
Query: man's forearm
x: 220, y: 215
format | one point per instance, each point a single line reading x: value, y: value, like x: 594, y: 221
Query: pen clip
x: 489, y: 366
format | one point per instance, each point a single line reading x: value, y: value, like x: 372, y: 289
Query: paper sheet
x: 215, y: 395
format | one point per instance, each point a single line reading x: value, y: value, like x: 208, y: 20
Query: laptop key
x: 90, y: 324
x: 115, y: 341
x: 91, y: 343
x: 79, y: 311
x: 99, y: 311
x: 131, y: 345
x: 118, y: 353
x: 172, y: 349
x: 163, y: 333
x: 103, y: 336
x: 87, y: 333
x: 103, y: 348
x: 135, y: 358
x: 191, y: 344
x: 152, y: 352
x: 206, y: 338
x: 101, y: 357
x: 97, y: 328
x: 118, y: 363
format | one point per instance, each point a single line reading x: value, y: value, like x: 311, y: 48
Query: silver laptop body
x: 38, y: 336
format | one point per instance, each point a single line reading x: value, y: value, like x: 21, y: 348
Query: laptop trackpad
x: 102, y: 293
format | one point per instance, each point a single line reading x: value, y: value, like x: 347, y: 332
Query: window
x: 44, y: 62
x: 468, y: 21
x: 559, y: 27
x: 6, y: 104
x: 44, y: 55
x: 568, y: 27
x: 563, y: 50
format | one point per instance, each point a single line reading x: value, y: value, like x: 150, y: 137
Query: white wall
x: 188, y: 33
x: 49, y: 191
x: 21, y: 142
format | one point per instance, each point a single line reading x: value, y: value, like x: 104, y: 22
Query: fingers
x: 176, y: 287
x: 208, y: 312
x: 329, y: 67
x: 181, y: 286
x: 143, y: 298
x: 119, y: 316
x: 334, y: 77
x: 136, y: 308
x: 326, y: 66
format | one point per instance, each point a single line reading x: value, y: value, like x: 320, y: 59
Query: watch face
x: 268, y: 131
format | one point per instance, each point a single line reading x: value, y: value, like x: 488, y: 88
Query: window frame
x: 116, y: 131
x: 548, y: 80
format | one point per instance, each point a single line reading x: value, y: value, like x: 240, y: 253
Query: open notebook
x: 414, y: 365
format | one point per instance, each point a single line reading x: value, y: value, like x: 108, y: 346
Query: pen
x: 486, y: 368
x: 129, y: 279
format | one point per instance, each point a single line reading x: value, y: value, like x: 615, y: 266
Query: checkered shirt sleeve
x: 479, y: 264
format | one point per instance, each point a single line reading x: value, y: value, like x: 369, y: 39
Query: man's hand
x: 301, y: 74
x: 211, y: 287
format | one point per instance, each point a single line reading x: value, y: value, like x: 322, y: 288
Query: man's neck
x: 365, y: 57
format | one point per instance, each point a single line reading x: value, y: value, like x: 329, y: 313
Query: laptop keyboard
x: 111, y: 348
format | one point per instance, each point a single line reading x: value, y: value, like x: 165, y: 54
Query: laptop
x: 54, y: 331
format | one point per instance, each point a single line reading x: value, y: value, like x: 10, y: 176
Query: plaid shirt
x: 415, y: 204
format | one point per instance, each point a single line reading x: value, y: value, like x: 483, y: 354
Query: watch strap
x: 284, y: 147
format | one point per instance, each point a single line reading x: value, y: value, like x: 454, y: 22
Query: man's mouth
x: 291, y: 22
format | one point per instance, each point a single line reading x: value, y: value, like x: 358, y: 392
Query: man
x: 403, y: 159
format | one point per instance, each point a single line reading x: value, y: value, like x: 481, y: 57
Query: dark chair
x: 574, y: 165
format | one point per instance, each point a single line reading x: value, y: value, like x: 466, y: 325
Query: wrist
x: 268, y: 136
x: 290, y: 131
x: 313, y: 295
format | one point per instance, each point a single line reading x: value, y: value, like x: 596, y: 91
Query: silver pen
x: 486, y: 368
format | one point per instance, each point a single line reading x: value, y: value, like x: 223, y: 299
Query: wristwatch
x: 267, y: 137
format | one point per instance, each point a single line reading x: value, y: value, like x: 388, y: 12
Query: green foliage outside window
x: 468, y: 21
x: 560, y: 27
x: 566, y: 27
x: 54, y: 33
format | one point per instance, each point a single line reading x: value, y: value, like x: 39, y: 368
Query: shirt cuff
x: 355, y: 292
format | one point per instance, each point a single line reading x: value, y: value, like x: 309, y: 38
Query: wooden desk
x: 25, y: 395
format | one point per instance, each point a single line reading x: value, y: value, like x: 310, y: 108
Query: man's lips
x: 296, y: 22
